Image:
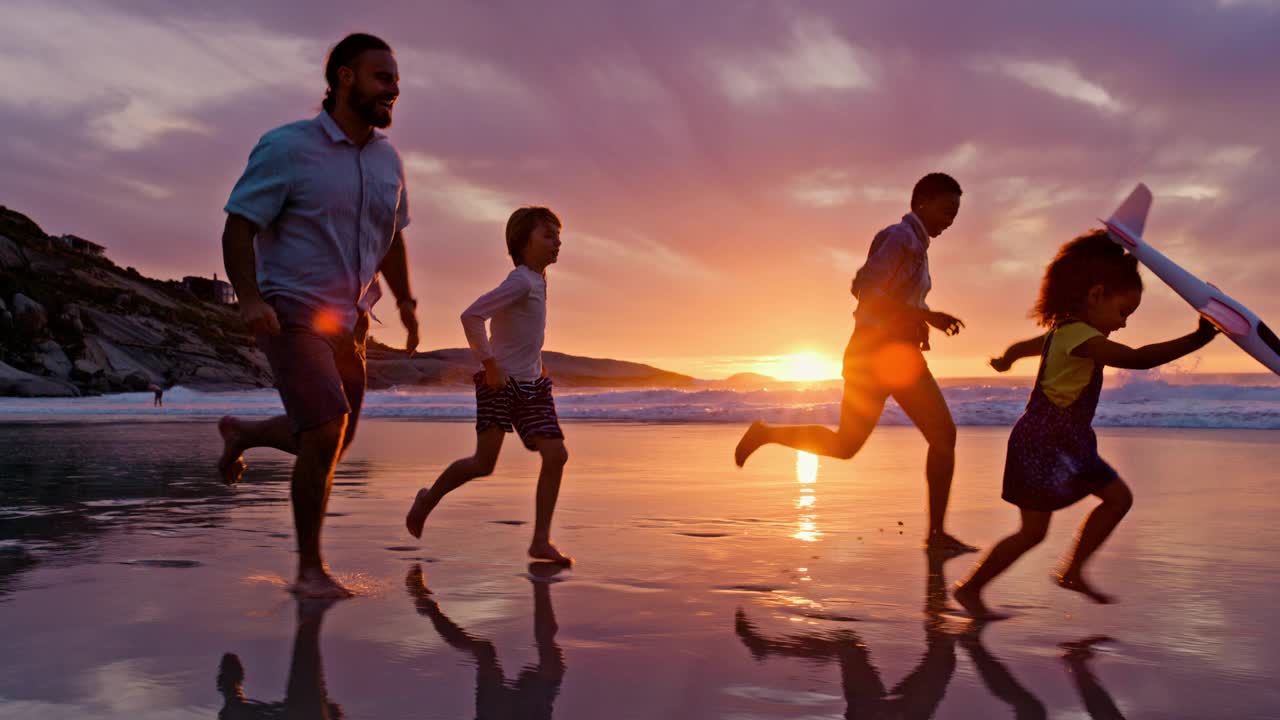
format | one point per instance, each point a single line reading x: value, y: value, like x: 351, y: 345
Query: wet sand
x: 132, y: 585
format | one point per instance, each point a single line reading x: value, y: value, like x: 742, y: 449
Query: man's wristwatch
x: 412, y: 304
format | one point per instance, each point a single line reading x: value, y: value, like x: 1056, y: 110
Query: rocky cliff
x: 72, y: 323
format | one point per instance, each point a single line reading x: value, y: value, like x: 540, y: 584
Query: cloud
x: 682, y: 140
x: 141, y: 78
x: 148, y: 190
x: 1057, y: 78
x: 637, y: 252
x: 817, y: 60
x: 430, y: 179
x: 833, y: 188
x: 442, y: 69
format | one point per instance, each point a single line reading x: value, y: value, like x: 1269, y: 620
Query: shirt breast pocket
x: 384, y: 202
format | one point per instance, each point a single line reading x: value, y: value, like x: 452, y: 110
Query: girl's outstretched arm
x: 1102, y: 350
x: 1030, y: 347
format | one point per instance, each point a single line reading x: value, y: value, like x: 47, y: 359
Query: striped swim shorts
x: 525, y: 407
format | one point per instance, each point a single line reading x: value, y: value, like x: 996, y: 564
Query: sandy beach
x: 794, y: 588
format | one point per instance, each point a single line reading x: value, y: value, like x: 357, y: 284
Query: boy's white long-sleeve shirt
x: 517, y: 311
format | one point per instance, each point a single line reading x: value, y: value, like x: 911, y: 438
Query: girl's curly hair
x: 1089, y: 260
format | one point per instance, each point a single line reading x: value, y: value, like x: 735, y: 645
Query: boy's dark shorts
x: 525, y: 407
x: 320, y: 376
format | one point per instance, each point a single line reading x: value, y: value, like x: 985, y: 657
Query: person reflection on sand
x: 920, y: 693
x: 306, y: 697
x: 997, y: 677
x: 534, y: 691
x: 1097, y: 701
x: 917, y: 696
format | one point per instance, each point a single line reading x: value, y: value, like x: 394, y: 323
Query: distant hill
x: 747, y: 381
x: 72, y: 322
x: 456, y: 366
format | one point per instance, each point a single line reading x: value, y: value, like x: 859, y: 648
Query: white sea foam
x: 1133, y: 401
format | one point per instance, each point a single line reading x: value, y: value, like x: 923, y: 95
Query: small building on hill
x: 80, y: 245
x: 215, y: 290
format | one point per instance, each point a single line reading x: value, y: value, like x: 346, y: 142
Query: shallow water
x: 792, y: 589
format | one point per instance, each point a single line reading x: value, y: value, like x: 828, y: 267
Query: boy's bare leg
x: 312, y: 481
x: 924, y: 403
x: 459, y: 473
x: 1116, y: 501
x: 860, y: 410
x: 968, y: 593
x: 554, y: 457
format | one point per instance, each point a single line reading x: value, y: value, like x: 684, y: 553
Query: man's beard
x: 367, y: 108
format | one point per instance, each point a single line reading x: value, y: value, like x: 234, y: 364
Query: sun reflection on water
x: 807, y: 476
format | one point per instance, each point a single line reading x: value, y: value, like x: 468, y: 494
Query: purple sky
x: 721, y: 167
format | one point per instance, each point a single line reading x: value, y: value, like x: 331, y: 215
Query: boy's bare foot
x: 751, y: 441
x: 543, y: 571
x: 317, y: 585
x: 231, y: 465
x: 971, y: 601
x: 947, y: 545
x: 1075, y: 582
x: 423, y: 504
x: 1081, y: 650
x: 544, y: 550
x: 416, y: 581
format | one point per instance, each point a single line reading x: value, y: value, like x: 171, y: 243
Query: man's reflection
x: 306, y: 697
x: 534, y: 690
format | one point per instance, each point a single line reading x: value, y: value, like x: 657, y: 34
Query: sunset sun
x: 805, y: 367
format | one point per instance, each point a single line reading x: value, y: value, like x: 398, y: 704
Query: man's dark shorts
x: 320, y: 376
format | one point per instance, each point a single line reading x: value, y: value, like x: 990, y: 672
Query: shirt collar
x: 325, y: 120
x: 918, y: 225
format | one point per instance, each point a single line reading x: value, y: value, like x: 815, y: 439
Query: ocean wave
x: 1133, y: 402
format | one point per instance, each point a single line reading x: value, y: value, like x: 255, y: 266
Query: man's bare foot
x: 318, y: 585
x: 971, y: 601
x: 423, y: 504
x: 947, y: 545
x: 231, y: 465
x: 544, y: 550
x: 751, y: 441
x: 1075, y: 582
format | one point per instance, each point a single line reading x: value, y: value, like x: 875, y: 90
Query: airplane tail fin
x: 1132, y: 213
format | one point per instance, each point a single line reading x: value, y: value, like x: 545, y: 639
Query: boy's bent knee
x: 846, y: 451
x: 943, y: 439
x: 554, y: 454
x: 847, y: 446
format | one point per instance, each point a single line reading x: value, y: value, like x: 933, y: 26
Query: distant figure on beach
x: 306, y: 695
x: 1088, y: 292
x: 317, y: 215
x: 158, y: 392
x: 513, y: 391
x: 885, y: 355
x: 529, y: 696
